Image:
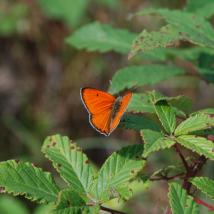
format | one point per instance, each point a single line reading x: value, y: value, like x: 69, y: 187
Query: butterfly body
x: 105, y: 110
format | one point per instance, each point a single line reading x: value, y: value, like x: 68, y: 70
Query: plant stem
x: 182, y: 157
x: 192, y: 172
x: 201, y: 202
x: 111, y: 210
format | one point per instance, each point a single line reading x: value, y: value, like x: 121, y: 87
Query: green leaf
x: 204, y: 111
x: 140, y: 103
x: 25, y: 179
x: 70, y: 202
x: 70, y: 162
x: 65, y: 10
x: 11, y: 205
x: 205, y: 185
x: 44, y: 209
x: 147, y: 41
x: 182, y: 26
x: 135, y: 76
x: 166, y: 115
x: 194, y: 123
x: 159, y: 144
x: 119, y: 169
x: 137, y: 122
x: 194, y: 5
x: 201, y: 8
x: 180, y: 201
x: 101, y: 37
x: 207, y: 74
x: 200, y: 145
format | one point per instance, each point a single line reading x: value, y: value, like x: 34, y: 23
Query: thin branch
x: 166, y: 178
x: 182, y: 157
x: 111, y: 210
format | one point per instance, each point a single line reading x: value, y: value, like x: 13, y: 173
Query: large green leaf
x: 70, y: 162
x: 135, y: 76
x: 65, y: 10
x: 205, y: 185
x: 200, y: 145
x: 180, y: 201
x: 194, y: 123
x: 101, y: 37
x: 70, y: 202
x: 182, y: 26
x: 156, y: 145
x: 118, y: 170
x: 25, y: 179
x: 141, y: 103
x: 138, y: 122
x: 11, y: 205
x: 166, y: 115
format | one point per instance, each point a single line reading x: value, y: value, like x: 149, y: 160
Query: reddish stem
x: 201, y: 202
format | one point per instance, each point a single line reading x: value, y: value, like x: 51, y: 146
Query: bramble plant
x: 163, y: 122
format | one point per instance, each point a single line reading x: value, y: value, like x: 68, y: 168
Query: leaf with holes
x: 70, y: 162
x: 25, y: 179
x: 180, y: 201
x: 205, y: 185
x: 182, y: 26
x: 118, y: 169
x: 194, y: 123
x: 200, y: 145
x: 147, y: 41
x: 135, y: 76
x: 102, y: 38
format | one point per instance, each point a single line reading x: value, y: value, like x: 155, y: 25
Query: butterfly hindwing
x: 101, y: 122
x: 122, y: 108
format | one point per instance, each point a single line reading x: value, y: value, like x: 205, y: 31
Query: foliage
x: 84, y: 183
x: 124, y: 78
x: 106, y: 38
x: 205, y: 185
x: 182, y: 47
x: 180, y: 202
x: 65, y: 10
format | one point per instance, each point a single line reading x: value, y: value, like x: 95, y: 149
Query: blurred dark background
x: 41, y: 76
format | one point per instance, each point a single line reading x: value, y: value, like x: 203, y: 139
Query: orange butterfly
x: 105, y: 110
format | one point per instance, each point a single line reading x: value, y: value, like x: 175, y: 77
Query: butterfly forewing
x: 96, y: 101
x: 122, y: 108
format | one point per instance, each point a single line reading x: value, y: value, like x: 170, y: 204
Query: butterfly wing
x: 99, y: 105
x: 120, y: 111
